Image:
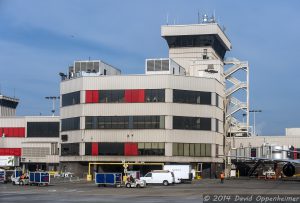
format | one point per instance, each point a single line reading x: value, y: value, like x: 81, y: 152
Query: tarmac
x: 82, y: 191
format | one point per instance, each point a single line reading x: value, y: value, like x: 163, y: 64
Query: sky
x: 39, y: 39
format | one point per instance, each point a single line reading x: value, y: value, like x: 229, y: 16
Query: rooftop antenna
x: 14, y: 92
x: 214, y: 14
x: 167, y: 18
x: 198, y: 17
x: 205, y: 19
x: 0, y: 88
x: 89, y: 58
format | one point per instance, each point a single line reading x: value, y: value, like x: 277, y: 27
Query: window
x: 124, y: 122
x: 192, y: 149
x: 197, y: 41
x: 217, y: 100
x: 42, y: 129
x: 64, y: 138
x: 191, y: 97
x: 71, y: 149
x: 111, y: 149
x: 154, y: 95
x: 151, y: 148
x: 70, y: 124
x: 208, y: 150
x: 71, y: 98
x: 186, y: 149
x: 88, y: 148
x: 191, y: 123
x: 148, y: 175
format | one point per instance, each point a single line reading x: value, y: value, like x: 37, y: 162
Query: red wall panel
x: 134, y: 96
x: 10, y: 151
x: 91, y: 96
x: 141, y: 97
x: 127, y: 96
x: 12, y: 132
x: 16, y: 132
x: 95, y: 96
x: 134, y: 149
x: 5, y: 130
x: 95, y: 149
x: 131, y: 149
x: 22, y: 132
x: 88, y: 96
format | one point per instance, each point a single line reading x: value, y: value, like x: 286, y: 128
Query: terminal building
x: 174, y: 113
x: 32, y: 141
x: 181, y: 111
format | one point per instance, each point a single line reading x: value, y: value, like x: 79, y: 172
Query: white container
x: 181, y: 172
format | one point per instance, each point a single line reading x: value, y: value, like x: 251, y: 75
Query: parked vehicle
x: 104, y: 179
x: 136, y: 183
x: 182, y: 173
x: 21, y: 180
x: 159, y: 177
x: 7, y: 175
x: 3, y: 177
x: 39, y: 178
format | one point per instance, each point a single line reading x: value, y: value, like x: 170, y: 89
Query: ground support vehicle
x: 39, y: 178
x: 135, y: 184
x: 20, y: 181
x: 3, y: 178
x: 112, y: 179
x: 8, y: 175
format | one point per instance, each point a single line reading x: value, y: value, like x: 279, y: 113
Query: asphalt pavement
x: 82, y: 191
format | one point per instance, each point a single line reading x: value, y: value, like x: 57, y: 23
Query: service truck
x: 182, y: 173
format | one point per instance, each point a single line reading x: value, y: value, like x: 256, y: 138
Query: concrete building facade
x: 32, y: 139
x: 172, y: 114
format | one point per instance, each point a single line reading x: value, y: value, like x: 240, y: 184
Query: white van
x: 159, y: 177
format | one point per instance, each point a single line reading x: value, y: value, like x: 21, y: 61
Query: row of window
x: 70, y: 98
x: 138, y: 122
x: 137, y: 149
x: 42, y: 129
x: 70, y: 124
x: 191, y: 97
x: 139, y: 96
x: 191, y: 123
x: 125, y: 122
x: 34, y: 129
x: 125, y: 96
x: 115, y: 149
x: 193, y: 149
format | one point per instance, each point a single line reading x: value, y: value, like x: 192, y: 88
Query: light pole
x: 254, y: 111
x: 53, y: 98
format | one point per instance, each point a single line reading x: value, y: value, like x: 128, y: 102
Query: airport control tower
x: 8, y: 105
x: 200, y: 49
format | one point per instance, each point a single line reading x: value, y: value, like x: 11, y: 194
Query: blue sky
x: 39, y: 39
